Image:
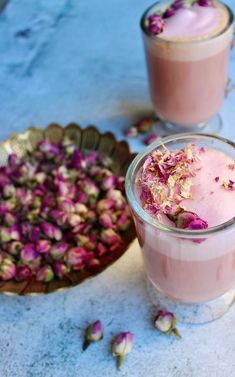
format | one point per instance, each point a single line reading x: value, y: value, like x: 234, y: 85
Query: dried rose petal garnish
x: 60, y: 210
x: 165, y: 179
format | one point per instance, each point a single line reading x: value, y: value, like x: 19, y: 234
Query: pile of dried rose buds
x: 60, y: 210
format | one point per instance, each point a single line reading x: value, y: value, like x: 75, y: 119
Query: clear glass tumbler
x: 191, y: 273
x: 187, y: 79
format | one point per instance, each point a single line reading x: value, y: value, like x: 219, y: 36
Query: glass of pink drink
x: 182, y: 195
x: 187, y: 62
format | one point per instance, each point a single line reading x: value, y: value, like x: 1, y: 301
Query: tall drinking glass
x: 187, y: 79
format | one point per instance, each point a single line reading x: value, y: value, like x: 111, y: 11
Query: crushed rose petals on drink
x: 60, y: 211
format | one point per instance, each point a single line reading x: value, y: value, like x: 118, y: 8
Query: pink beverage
x: 182, y: 195
x: 187, y: 59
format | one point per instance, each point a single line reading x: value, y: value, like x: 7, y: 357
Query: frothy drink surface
x: 195, y: 23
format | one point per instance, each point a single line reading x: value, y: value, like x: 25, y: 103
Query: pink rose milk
x: 188, y: 63
x: 189, y: 180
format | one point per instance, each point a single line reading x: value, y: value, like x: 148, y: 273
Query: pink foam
x: 194, y: 21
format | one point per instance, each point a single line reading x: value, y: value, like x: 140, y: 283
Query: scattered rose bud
x: 150, y: 138
x: 145, y: 125
x: 45, y: 274
x: 165, y: 322
x: 121, y: 346
x: 131, y: 132
x: 93, y: 333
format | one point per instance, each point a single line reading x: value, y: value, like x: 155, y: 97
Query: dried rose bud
x: 58, y: 250
x: 34, y: 234
x: 90, y: 188
x: 77, y: 159
x: 51, y: 231
x: 109, y: 182
x: 105, y: 204
x: 131, y: 132
x: 150, y: 138
x: 179, y: 4
x: 29, y: 253
x: 74, y: 219
x: 66, y: 204
x: 7, y: 269
x: 43, y: 246
x: 62, y: 188
x: 155, y: 24
x: 169, y: 12
x: 8, y: 190
x: 106, y: 220
x: 14, y: 232
x: 5, y: 235
x: 50, y: 149
x: 111, y: 238
x: 189, y: 220
x: 14, y: 247
x: 82, y: 197
x: 91, y: 158
x: 145, y: 125
x: 60, y: 269
x: 93, y: 333
x: 10, y: 219
x: 205, y: 3
x: 23, y: 273
x: 122, y: 345
x: 40, y: 177
x: 123, y: 222
x: 77, y: 257
x: 93, y: 263
x: 14, y: 160
x: 165, y: 322
x: 45, y: 274
x: 81, y: 209
x: 101, y: 249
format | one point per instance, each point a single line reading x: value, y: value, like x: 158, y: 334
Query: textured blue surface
x: 70, y: 60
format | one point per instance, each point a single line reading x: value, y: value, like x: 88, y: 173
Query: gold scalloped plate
x: 86, y: 139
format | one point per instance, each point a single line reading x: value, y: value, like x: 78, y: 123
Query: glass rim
x: 161, y: 40
x: 137, y: 208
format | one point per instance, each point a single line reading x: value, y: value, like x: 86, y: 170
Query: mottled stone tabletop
x: 82, y: 60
